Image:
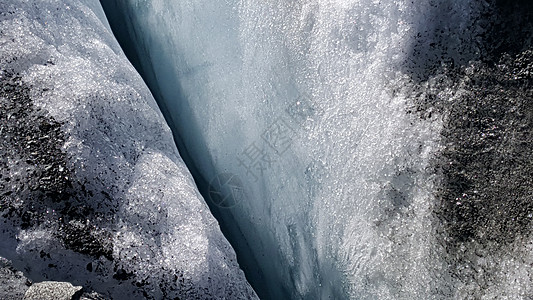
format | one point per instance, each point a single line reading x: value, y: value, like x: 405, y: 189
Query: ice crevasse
x: 92, y: 188
x: 352, y: 149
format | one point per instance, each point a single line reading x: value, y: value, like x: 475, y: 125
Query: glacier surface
x: 352, y: 149
x: 92, y: 188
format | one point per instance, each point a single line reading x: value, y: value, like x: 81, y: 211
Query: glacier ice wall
x: 352, y: 149
x: 92, y: 188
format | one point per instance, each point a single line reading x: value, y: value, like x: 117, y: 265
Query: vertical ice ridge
x: 93, y: 190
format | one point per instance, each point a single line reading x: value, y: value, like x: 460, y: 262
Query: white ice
x: 117, y: 143
x: 322, y: 212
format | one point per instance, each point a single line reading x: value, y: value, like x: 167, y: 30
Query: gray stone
x: 52, y: 290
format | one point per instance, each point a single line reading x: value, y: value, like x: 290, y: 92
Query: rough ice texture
x: 353, y: 130
x: 13, y: 283
x: 92, y: 189
x: 485, y: 207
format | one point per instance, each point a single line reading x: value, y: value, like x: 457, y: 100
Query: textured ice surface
x: 13, y: 284
x: 92, y: 189
x: 347, y: 126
